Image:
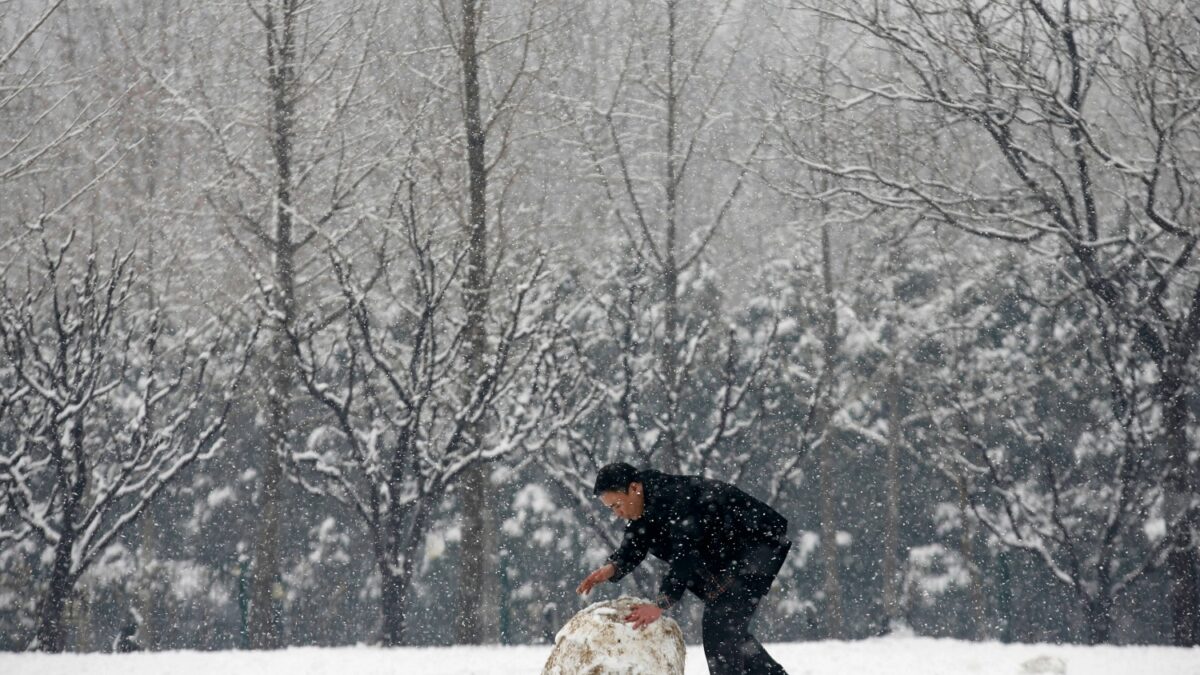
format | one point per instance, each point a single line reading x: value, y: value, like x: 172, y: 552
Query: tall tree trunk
x: 1099, y: 620
x: 891, y: 535
x: 266, y: 621
x: 147, y: 531
x: 967, y: 548
x: 72, y: 482
x: 478, y: 606
x: 830, y: 348
x: 51, y: 632
x: 146, y: 597
x: 1182, y: 566
x: 266, y: 590
x: 828, y: 453
x: 475, y: 625
x: 1183, y: 563
x: 1004, y: 596
x: 392, y: 598
x: 670, y: 268
x: 390, y: 547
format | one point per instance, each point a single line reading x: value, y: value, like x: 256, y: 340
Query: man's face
x: 627, y: 505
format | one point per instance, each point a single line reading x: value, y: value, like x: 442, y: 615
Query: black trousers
x: 729, y: 647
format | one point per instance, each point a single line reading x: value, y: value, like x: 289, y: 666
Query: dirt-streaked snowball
x: 598, y: 641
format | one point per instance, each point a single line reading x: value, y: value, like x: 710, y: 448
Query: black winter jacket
x: 709, y: 532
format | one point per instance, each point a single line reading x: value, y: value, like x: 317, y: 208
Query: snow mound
x: 598, y: 641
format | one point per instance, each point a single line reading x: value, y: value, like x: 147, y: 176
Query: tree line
x: 317, y: 318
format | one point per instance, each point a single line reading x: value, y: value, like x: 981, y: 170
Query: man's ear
x: 635, y: 487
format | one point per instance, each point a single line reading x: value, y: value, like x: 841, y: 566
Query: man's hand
x: 598, y: 577
x: 643, y: 615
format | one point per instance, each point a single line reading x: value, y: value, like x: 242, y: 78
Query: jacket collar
x: 651, y: 491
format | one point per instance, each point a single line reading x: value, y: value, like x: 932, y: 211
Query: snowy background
x: 317, y: 319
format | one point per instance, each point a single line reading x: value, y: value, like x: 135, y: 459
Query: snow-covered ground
x: 887, y: 656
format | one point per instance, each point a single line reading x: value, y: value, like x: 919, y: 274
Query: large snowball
x: 598, y: 641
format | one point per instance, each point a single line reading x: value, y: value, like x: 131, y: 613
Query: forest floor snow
x: 883, y: 656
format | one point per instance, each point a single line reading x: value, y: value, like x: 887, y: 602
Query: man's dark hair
x: 615, y: 477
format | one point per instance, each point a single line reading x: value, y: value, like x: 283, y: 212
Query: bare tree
x: 802, y: 124
x: 494, y: 47
x: 650, y: 139
x: 102, y: 408
x: 1077, y: 489
x: 281, y: 186
x: 389, y: 375
x: 477, y: 543
x: 1086, y: 115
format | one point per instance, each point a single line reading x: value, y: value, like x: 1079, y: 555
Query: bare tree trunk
x: 402, y: 542
x: 265, y: 620
x: 967, y: 548
x: 670, y: 267
x: 1004, y: 596
x: 1183, y: 562
x: 51, y: 632
x: 395, y: 614
x: 830, y: 349
x: 478, y: 541
x: 266, y: 591
x: 891, y: 535
x: 478, y: 609
x: 147, y: 598
x: 1184, y: 579
x: 1099, y: 620
x: 147, y: 530
x: 828, y: 453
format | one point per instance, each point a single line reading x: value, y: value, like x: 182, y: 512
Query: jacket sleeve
x: 631, y: 553
x: 675, y: 583
x: 685, y: 559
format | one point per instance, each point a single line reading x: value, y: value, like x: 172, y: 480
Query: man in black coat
x: 722, y: 545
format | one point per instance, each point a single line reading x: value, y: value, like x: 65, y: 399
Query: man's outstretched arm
x: 630, y: 554
x: 598, y: 577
